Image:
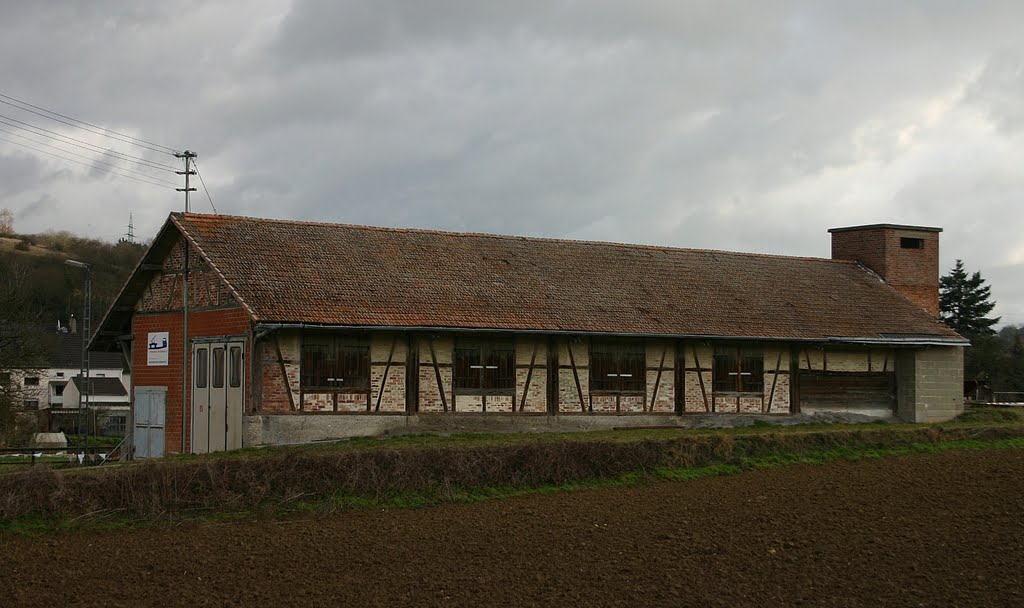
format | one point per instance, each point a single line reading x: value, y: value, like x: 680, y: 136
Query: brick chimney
x: 907, y: 257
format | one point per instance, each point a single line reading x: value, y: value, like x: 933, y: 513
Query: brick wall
x: 232, y: 321
x: 912, y: 272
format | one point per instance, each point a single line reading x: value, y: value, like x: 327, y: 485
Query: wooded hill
x: 33, y: 265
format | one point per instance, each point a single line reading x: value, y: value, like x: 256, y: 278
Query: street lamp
x: 83, y: 395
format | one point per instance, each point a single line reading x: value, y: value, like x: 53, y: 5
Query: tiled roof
x: 330, y: 274
x: 103, y: 387
x: 65, y: 351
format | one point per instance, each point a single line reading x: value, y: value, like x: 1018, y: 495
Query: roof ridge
x: 511, y: 237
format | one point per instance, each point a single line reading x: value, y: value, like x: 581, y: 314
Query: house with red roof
x: 245, y: 331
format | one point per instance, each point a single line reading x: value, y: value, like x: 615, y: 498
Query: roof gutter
x: 264, y: 329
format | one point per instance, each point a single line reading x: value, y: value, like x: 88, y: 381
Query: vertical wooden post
x: 680, y: 376
x: 412, y: 375
x: 552, y: 369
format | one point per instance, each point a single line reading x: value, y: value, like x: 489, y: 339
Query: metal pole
x: 86, y: 335
x: 83, y: 374
x: 187, y: 156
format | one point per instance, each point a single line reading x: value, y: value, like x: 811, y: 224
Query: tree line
x: 996, y: 358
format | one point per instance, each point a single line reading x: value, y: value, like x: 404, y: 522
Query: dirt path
x: 938, y: 530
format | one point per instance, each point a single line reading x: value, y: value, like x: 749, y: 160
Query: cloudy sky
x: 750, y: 126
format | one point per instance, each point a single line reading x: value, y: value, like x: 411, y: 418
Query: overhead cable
x: 95, y: 129
x: 161, y: 183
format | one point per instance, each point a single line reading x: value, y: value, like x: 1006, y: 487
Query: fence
x: 1008, y: 397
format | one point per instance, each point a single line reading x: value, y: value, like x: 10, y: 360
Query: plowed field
x: 925, y: 530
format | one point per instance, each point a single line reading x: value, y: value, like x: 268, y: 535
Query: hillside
x: 34, y: 265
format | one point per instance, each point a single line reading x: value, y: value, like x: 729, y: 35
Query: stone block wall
x: 929, y: 384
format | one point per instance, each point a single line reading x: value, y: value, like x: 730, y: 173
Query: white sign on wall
x: 157, y: 348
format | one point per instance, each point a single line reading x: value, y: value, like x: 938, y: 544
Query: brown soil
x: 936, y: 530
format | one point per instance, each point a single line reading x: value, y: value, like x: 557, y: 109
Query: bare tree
x: 6, y: 221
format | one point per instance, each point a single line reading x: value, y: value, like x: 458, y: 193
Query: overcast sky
x: 749, y: 126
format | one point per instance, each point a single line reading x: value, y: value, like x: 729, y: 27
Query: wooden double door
x: 218, y: 392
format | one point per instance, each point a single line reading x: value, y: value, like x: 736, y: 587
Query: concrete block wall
x: 929, y: 384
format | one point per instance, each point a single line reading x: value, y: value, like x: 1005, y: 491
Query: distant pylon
x: 130, y: 237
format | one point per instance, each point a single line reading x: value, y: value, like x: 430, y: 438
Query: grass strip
x: 325, y: 504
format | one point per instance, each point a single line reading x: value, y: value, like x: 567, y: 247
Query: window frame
x: 911, y: 242
x: 337, y: 357
x: 234, y: 366
x: 484, y: 367
x: 217, y: 374
x: 729, y: 370
x: 201, y: 373
x: 624, y: 364
x: 31, y: 381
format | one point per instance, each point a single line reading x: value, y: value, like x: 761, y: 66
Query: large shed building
x: 302, y: 331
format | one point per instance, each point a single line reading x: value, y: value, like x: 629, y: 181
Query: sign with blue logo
x: 157, y: 348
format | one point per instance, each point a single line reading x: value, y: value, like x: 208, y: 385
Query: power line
x: 146, y: 181
x: 201, y: 181
x: 97, y: 131
x: 168, y: 149
x: 80, y: 143
x: 100, y: 162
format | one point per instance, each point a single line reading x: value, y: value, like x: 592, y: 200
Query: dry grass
x: 173, y: 489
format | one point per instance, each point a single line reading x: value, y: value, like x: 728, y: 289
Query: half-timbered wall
x: 689, y: 388
x: 213, y: 311
x: 164, y: 291
x: 846, y: 360
x: 531, y: 374
x: 435, y: 378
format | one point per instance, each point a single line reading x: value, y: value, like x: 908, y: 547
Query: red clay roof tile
x: 331, y: 274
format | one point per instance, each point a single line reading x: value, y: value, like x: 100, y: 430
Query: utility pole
x: 187, y: 156
x: 84, y: 373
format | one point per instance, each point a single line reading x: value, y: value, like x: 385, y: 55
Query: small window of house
x: 60, y: 374
x: 31, y: 381
x: 335, y: 363
x: 5, y: 378
x: 202, y: 364
x: 235, y: 366
x: 911, y: 243
x: 218, y: 368
x: 31, y: 404
x: 618, y: 367
x: 58, y: 390
x: 485, y: 367
x: 738, y: 370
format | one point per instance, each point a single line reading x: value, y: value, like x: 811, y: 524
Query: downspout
x: 184, y: 352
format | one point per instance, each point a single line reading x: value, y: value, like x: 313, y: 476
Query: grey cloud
x: 749, y: 126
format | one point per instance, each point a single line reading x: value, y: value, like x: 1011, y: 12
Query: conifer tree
x: 964, y: 302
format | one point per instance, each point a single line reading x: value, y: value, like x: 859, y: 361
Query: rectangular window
x: 485, y: 367
x: 60, y: 374
x: 335, y: 363
x: 31, y: 381
x: 738, y: 370
x: 618, y: 367
x: 31, y: 404
x: 235, y: 366
x: 58, y: 390
x: 202, y: 364
x: 218, y: 368
x: 911, y: 243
